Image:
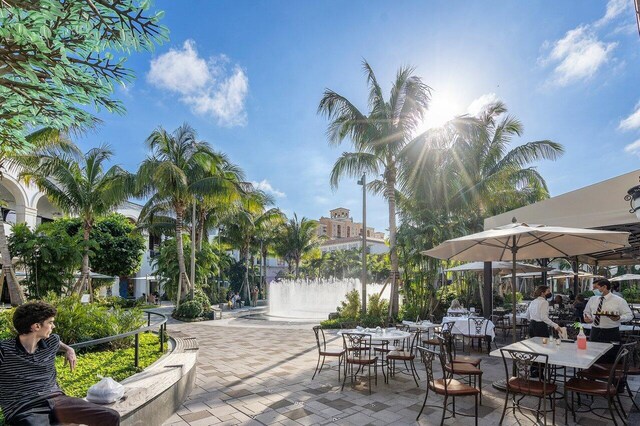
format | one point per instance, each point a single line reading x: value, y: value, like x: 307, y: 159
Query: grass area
x: 116, y: 364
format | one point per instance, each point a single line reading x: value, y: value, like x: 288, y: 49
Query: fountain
x: 312, y: 300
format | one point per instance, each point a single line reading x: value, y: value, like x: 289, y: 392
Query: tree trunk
x: 183, y: 280
x: 15, y: 291
x: 264, y: 268
x: 245, y: 279
x: 393, y: 251
x: 297, y: 260
x: 84, y: 272
x: 200, y: 229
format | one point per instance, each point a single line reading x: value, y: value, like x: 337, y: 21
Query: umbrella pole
x: 514, y: 251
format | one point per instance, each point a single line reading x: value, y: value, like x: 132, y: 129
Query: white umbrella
x: 625, y: 277
x: 500, y: 266
x: 519, y: 241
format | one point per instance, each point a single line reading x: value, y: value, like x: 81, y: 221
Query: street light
x: 363, y: 280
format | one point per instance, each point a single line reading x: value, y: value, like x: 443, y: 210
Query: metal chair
x: 446, y: 386
x: 477, y: 329
x: 521, y: 383
x: 609, y: 389
x: 359, y: 353
x: 406, y: 354
x: 460, y: 368
x: 321, y: 342
x: 502, y: 322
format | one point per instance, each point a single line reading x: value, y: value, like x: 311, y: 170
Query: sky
x: 248, y: 75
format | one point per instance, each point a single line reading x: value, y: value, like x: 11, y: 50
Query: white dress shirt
x: 538, y: 310
x: 612, y: 303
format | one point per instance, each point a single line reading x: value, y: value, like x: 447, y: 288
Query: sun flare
x: 442, y: 108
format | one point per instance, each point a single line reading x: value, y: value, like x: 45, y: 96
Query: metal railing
x: 162, y: 331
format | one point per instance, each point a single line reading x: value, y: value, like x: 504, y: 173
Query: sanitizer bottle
x: 582, y: 340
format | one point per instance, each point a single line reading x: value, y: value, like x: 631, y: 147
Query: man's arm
x: 70, y: 355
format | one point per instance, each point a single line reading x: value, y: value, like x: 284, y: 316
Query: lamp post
x: 363, y: 279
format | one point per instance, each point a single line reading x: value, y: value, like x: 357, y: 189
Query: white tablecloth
x: 565, y: 354
x: 385, y: 335
x: 425, y: 325
x: 461, y: 326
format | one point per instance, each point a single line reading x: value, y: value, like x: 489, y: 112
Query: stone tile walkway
x: 256, y: 373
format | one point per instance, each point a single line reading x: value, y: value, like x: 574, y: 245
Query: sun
x: 442, y: 108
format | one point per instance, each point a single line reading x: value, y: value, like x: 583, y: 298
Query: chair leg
x: 566, y: 407
x: 414, y: 373
x: 615, y: 405
x: 444, y: 410
x: 426, y: 395
x: 633, y: 400
x: 476, y: 399
x: 317, y: 365
x: 613, y: 417
x: 544, y: 409
x: 504, y: 410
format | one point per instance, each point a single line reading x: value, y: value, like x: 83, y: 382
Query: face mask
x: 597, y: 293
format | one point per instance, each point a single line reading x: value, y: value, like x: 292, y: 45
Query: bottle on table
x: 582, y: 340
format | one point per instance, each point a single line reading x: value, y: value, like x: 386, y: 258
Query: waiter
x: 606, y: 328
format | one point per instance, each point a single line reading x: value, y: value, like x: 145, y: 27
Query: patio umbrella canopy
x: 501, y: 267
x: 626, y: 277
x: 519, y: 241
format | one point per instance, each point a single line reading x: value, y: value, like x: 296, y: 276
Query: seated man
x: 29, y: 391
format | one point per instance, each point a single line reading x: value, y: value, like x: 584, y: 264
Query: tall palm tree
x: 41, y: 142
x: 240, y: 228
x: 298, y: 237
x: 80, y: 188
x: 172, y: 175
x: 377, y: 139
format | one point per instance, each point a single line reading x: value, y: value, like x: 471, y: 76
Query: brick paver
x: 253, y: 372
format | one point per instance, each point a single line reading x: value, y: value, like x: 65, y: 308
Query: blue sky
x: 248, y: 76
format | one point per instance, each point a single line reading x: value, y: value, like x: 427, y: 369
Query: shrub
x: 189, y: 309
x: 202, y: 299
x: 78, y: 322
x: 351, y: 308
x: 631, y: 294
x: 587, y: 294
x: 6, y: 324
x: 508, y: 296
x: 331, y: 324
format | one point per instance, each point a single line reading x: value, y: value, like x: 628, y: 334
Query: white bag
x: 105, y: 391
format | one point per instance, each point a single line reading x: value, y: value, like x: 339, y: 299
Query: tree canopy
x: 58, y: 56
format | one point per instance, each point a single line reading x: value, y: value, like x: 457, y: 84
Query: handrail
x: 149, y: 327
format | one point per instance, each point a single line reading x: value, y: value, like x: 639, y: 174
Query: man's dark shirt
x: 26, y: 377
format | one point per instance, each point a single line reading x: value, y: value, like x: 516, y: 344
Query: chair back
x: 427, y: 356
x: 478, y: 326
x: 521, y: 367
x: 415, y: 338
x: 500, y: 321
x: 634, y: 356
x: 617, y: 375
x: 447, y: 327
x: 447, y: 348
x: 358, y: 346
x: 320, y: 339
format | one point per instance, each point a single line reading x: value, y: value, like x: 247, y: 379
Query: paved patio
x: 255, y: 372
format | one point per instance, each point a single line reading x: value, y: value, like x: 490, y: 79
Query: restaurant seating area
x: 539, y: 376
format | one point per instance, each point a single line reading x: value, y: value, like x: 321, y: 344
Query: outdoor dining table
x: 461, y: 326
x: 564, y: 355
x: 624, y: 328
x: 385, y: 335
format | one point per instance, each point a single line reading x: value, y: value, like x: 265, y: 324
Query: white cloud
x: 265, y: 186
x: 209, y: 87
x: 631, y: 122
x: 577, y: 56
x: 479, y: 104
x: 614, y: 9
x: 633, y: 148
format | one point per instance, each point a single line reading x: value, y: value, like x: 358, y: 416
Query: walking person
x: 29, y: 391
x: 606, y: 328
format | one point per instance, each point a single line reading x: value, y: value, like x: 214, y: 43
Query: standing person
x: 29, y: 391
x: 578, y: 307
x: 538, y: 313
x: 615, y: 289
x: 254, y: 296
x: 606, y: 328
x: 538, y: 316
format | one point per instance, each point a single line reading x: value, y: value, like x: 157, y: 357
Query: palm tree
x: 240, y: 228
x: 378, y: 138
x: 80, y: 188
x: 41, y: 142
x: 173, y: 174
x: 298, y: 237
